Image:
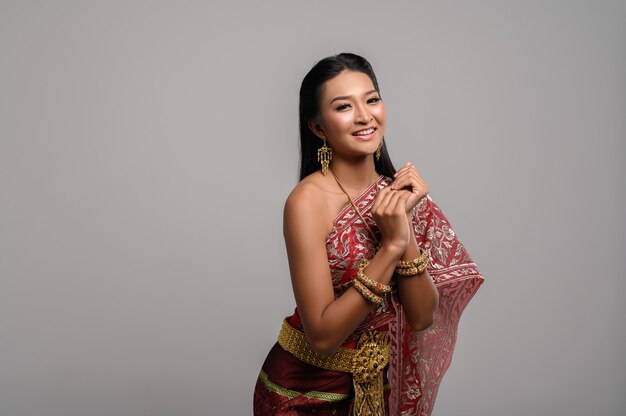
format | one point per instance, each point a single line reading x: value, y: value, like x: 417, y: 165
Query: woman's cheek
x: 380, y: 114
x: 341, y: 121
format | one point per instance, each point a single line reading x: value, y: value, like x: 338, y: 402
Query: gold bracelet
x: 408, y: 272
x: 409, y: 264
x: 412, y: 270
x: 366, y: 293
x: 371, y: 284
x: 414, y: 267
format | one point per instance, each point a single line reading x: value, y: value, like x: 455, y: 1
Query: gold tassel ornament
x: 380, y: 146
x: 324, y: 156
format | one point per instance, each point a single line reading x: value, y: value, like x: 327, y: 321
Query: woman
x: 379, y: 277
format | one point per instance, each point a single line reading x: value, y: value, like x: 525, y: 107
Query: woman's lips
x: 365, y: 137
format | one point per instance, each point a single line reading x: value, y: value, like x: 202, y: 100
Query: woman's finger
x: 394, y: 184
x: 382, y: 208
x: 380, y: 197
x: 400, y: 206
x: 382, y: 200
x: 410, y: 179
x: 391, y: 205
x: 403, y: 168
x: 409, y: 182
x: 409, y: 172
x: 408, y: 168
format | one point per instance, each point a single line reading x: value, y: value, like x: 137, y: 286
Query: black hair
x: 310, y: 96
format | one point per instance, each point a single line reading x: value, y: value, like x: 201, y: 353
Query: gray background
x: 147, y: 149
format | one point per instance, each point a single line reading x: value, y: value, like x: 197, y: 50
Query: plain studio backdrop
x: 147, y: 148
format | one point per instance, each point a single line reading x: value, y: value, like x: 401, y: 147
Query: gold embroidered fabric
x: 420, y: 358
x: 365, y: 363
x: 322, y: 395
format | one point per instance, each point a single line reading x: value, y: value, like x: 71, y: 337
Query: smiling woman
x: 379, y: 278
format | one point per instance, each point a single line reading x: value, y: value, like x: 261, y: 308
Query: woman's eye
x: 371, y: 100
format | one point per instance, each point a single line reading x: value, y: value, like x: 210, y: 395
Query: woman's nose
x: 361, y: 114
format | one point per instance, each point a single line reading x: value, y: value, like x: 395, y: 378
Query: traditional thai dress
x: 418, y: 360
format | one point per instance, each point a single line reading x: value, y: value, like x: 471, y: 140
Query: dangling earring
x: 380, y: 146
x: 324, y: 156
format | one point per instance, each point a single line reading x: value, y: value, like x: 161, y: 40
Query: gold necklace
x: 355, y: 207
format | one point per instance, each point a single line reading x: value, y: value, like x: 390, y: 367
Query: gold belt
x: 365, y: 363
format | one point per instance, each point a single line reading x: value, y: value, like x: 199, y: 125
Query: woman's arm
x: 418, y: 294
x: 328, y: 321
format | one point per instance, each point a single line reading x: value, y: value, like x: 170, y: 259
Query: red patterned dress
x: 419, y: 359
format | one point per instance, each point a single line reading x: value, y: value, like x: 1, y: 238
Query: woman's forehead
x: 347, y: 83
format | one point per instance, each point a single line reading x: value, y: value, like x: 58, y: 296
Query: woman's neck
x: 355, y: 175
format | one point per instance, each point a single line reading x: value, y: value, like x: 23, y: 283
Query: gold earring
x: 380, y: 146
x: 324, y: 156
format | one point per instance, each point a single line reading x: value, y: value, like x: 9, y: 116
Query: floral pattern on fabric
x: 419, y: 359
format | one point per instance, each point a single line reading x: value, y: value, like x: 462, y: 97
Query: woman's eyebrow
x: 345, y: 97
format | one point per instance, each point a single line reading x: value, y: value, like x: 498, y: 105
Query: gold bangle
x: 373, y: 285
x: 366, y: 293
x: 414, y: 267
x: 417, y: 262
x: 407, y: 272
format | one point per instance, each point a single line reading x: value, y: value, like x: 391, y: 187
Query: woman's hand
x: 389, y: 213
x: 408, y: 177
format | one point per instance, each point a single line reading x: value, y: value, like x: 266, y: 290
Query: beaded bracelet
x: 408, y: 264
x: 371, y: 284
x: 413, y: 267
x: 411, y: 271
x: 366, y: 293
x: 408, y: 272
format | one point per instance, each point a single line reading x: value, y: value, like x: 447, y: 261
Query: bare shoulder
x: 306, y: 207
x: 307, y: 194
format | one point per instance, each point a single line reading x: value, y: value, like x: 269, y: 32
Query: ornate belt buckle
x: 371, y: 357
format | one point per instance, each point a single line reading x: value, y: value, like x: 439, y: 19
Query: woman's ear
x: 317, y: 129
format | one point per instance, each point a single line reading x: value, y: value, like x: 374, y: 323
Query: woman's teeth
x: 364, y: 132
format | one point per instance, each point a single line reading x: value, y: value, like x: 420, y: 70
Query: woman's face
x: 349, y: 104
